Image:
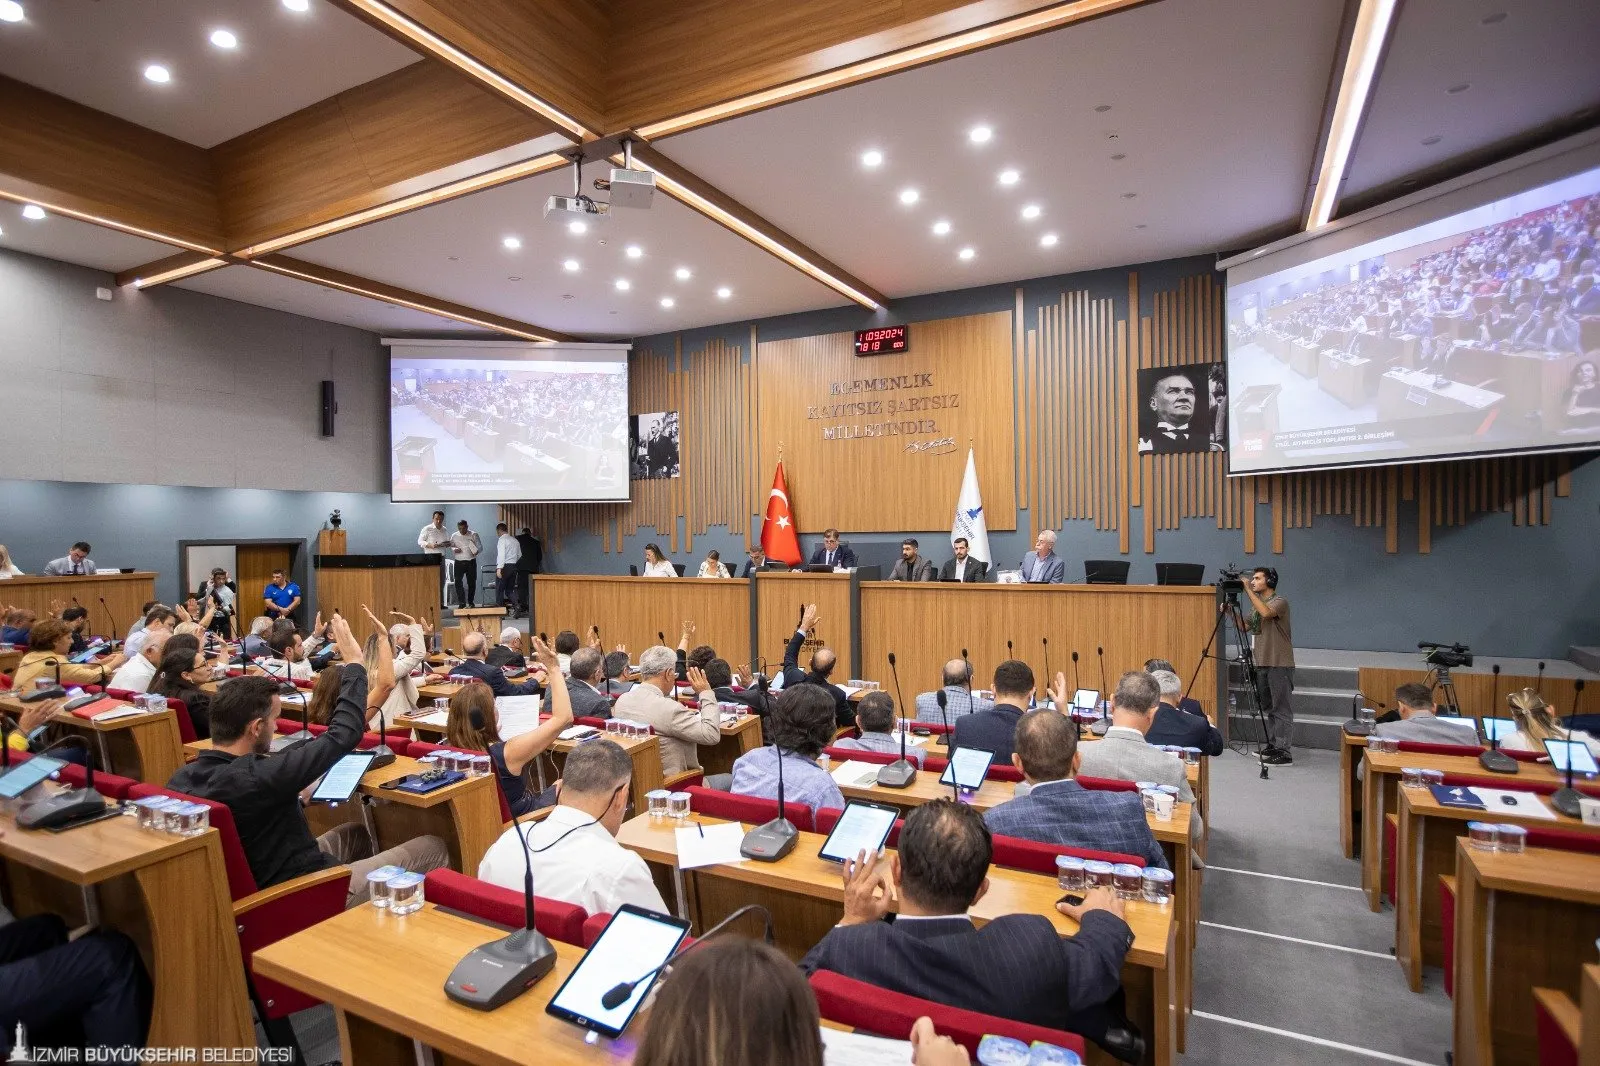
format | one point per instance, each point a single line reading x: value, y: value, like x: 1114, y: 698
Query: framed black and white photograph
x: 1183, y: 408
x: 653, y: 446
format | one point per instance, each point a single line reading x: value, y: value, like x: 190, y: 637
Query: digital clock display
x: 887, y: 340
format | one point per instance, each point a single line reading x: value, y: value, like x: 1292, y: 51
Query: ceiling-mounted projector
x: 576, y: 209
x: 632, y: 188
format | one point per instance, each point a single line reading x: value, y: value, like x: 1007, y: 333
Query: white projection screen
x: 490, y: 421
x: 1459, y: 323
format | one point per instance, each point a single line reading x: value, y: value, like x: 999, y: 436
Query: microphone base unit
x: 1565, y: 801
x: 64, y: 809
x: 898, y: 774
x: 770, y: 842
x: 382, y: 755
x: 1099, y: 727
x: 1498, y: 762
x: 1357, y: 728
x: 498, y: 972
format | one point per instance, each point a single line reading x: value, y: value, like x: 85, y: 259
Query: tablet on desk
x: 967, y: 768
x: 343, y: 778
x: 1496, y: 730
x: 863, y: 827
x: 17, y: 780
x: 631, y: 946
x: 1574, y: 751
x: 1086, y: 699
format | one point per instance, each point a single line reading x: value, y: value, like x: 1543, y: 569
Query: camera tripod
x: 1440, y: 681
x: 1228, y: 620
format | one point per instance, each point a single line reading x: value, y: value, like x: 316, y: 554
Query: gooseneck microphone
x: 66, y: 808
x: 617, y: 995
x: 1566, y: 799
x: 901, y: 772
x: 1045, y: 680
x: 1539, y: 682
x: 775, y: 839
x: 1099, y: 728
x: 494, y: 974
x: 110, y: 618
x: 1495, y: 760
x: 955, y: 789
x: 1076, y: 687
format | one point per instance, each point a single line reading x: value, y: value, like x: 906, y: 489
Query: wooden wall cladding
x: 896, y: 482
x: 632, y: 611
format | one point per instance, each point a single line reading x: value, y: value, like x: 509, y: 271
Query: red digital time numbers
x: 888, y: 340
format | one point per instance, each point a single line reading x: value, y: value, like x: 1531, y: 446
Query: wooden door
x: 256, y: 562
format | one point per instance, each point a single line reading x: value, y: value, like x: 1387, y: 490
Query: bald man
x: 959, y: 700
x: 475, y: 648
x: 823, y: 661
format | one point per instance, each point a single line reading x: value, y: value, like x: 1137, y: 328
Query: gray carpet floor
x: 1290, y: 968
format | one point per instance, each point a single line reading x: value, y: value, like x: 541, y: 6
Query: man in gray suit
x: 912, y: 567
x: 959, y: 700
x: 583, y: 684
x: 1419, y: 723
x: 1124, y: 753
x: 1043, y: 566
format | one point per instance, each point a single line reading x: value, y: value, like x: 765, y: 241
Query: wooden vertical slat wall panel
x: 1019, y: 371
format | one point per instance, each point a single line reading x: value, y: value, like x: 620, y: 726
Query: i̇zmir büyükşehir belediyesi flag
x: 970, y: 521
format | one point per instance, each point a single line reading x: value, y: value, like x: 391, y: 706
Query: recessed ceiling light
x: 1048, y: 240
x: 622, y: 285
x: 577, y: 228
x: 511, y: 244
x: 10, y: 11
x: 1009, y: 177
x: 724, y: 292
x: 570, y: 266
x: 909, y: 196
x: 980, y: 134
x: 1432, y: 139
x: 1103, y: 108
x: 966, y: 253
x: 1456, y: 90
x: 297, y: 5
x: 157, y: 73
x: 940, y: 228
x: 1031, y: 211
x: 455, y: 259
x: 682, y: 274
x: 633, y: 251
x: 872, y: 158
x: 667, y: 301
x: 513, y: 277
x: 33, y: 211
x: 1141, y: 225
x: 224, y: 39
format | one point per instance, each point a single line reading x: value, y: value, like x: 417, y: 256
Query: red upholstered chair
x: 5, y: 681
x: 180, y: 712
x: 1040, y: 858
x: 891, y: 1014
x: 880, y: 758
x: 1003, y: 771
x: 1470, y: 751
x: 555, y: 919
x: 596, y: 924
x: 1107, y: 784
x: 266, y: 916
x: 828, y: 817
x: 108, y: 785
x: 1447, y: 918
x: 746, y: 808
x: 596, y: 723
x: 1557, y: 1023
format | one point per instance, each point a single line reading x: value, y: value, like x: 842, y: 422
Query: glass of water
x: 405, y: 893
x: 657, y: 800
x: 378, y: 884
x: 678, y: 804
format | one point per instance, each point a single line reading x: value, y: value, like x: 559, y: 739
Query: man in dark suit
x: 527, y: 565
x: 963, y: 567
x: 1015, y: 967
x: 719, y: 675
x: 911, y: 567
x: 583, y: 684
x: 1177, y: 727
x: 474, y: 647
x: 822, y: 664
x: 994, y: 730
x: 1058, y: 810
x: 757, y: 560
x: 509, y: 651
x: 832, y: 553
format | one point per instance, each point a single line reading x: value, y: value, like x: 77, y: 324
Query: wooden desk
x: 1345, y: 379
x: 778, y: 595
x: 737, y: 738
x: 124, y: 594
x: 1521, y: 921
x: 806, y: 897
x: 1589, y: 1004
x: 465, y: 815
x: 646, y: 755
x: 384, y: 976
x: 408, y: 583
x: 1474, y: 687
x: 1351, y: 751
x: 485, y: 620
x: 631, y: 610
x: 145, y: 747
x: 168, y: 893
x: 1426, y: 848
x: 1378, y: 798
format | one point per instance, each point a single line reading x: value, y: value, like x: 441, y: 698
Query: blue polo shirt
x: 282, y: 597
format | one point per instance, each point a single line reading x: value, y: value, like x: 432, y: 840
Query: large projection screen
x: 1464, y: 324
x: 507, y: 423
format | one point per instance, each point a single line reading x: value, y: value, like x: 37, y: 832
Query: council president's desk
x: 806, y: 897
x: 125, y: 595
x: 407, y: 583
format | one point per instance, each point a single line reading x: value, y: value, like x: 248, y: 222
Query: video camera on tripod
x: 1445, y: 656
x: 1230, y: 581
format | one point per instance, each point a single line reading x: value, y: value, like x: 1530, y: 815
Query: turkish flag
x: 778, y: 537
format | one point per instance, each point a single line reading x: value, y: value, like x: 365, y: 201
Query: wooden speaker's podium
x: 485, y: 620
x: 408, y: 583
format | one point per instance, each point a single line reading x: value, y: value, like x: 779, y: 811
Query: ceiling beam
x: 172, y: 268
x: 1369, y: 40
x: 85, y: 164
x: 416, y: 301
x: 547, y: 57
x: 702, y: 196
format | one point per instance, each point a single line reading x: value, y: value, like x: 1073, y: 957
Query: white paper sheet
x: 518, y: 714
x: 1522, y: 804
x: 717, y: 844
x: 118, y: 712
x: 841, y: 1048
x: 856, y: 773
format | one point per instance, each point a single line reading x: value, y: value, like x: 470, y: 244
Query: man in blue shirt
x: 800, y: 725
x: 875, y: 719
x: 282, y: 596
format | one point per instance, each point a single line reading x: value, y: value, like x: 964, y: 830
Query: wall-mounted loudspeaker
x: 329, y: 408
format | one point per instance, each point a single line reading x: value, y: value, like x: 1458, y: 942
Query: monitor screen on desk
x: 1496, y: 730
x: 17, y: 780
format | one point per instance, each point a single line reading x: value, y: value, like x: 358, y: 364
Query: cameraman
x: 1273, y: 652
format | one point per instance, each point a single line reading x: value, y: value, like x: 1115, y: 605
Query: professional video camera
x: 1447, y: 656
x: 1231, y: 579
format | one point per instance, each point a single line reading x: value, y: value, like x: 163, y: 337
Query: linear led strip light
x: 448, y: 52
x: 178, y: 273
x: 391, y: 298
x: 111, y: 223
x: 1373, y: 23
